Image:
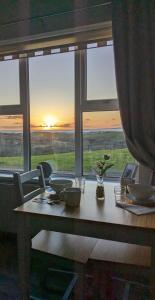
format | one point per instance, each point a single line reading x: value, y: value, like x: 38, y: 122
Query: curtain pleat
x: 134, y: 49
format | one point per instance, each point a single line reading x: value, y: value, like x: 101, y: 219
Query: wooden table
x: 92, y: 218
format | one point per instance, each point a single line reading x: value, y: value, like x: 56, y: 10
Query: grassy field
x: 66, y: 161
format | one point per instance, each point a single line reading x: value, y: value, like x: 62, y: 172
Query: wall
x: 26, y: 18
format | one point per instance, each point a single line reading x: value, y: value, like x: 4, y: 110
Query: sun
x: 49, y: 121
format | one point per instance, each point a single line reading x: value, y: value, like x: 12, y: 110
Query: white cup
x: 71, y: 196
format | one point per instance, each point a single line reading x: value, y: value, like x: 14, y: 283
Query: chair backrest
x: 38, y: 186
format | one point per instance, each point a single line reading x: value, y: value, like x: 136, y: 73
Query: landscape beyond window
x: 106, y: 137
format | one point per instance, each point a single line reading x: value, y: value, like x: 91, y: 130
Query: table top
x: 91, y: 210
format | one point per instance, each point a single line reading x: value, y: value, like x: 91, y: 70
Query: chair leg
x: 126, y: 291
x: 80, y: 287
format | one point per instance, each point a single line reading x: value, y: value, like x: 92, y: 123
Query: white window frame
x: 84, y: 105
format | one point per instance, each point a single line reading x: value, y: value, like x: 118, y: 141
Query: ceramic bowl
x: 59, y: 184
x: 141, y: 191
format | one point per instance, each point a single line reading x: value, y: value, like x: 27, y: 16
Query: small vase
x: 100, y: 188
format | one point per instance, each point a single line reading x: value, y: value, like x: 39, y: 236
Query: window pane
x: 9, y: 82
x: 52, y: 111
x: 102, y: 134
x: 11, y: 142
x: 101, y: 82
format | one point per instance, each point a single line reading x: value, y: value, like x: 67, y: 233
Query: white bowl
x: 59, y: 184
x: 141, y: 191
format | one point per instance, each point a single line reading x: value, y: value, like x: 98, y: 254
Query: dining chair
x: 121, y: 262
x: 69, y: 247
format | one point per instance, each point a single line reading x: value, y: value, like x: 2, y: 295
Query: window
x: 9, y: 82
x: 11, y: 142
x: 102, y: 134
x: 52, y: 111
x: 102, y: 129
x: 70, y: 118
x: 101, y: 82
x: 11, y: 118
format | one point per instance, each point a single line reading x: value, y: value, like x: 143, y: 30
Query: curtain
x: 134, y: 49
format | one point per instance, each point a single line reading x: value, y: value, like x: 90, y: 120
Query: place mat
x: 136, y: 209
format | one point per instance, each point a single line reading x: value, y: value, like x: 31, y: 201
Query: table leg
x: 24, y: 248
x: 152, y: 274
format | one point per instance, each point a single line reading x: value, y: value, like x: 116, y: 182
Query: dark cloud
x: 17, y: 123
x: 116, y: 125
x: 36, y: 126
x: 11, y: 117
x: 66, y: 125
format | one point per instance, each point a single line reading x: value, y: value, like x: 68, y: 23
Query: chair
x: 76, y: 249
x: 32, y: 188
x: 123, y: 262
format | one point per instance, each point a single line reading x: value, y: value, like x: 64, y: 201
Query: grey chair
x: 76, y: 249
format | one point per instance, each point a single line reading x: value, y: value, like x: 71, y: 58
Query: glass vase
x: 100, y: 188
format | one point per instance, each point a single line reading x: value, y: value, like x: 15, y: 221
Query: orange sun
x: 49, y: 121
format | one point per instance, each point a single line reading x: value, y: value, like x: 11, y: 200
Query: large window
x: 61, y: 108
x: 52, y: 111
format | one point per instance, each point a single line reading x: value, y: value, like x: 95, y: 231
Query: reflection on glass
x: 101, y: 82
x: 11, y: 142
x: 52, y: 111
x: 102, y: 134
x: 9, y: 82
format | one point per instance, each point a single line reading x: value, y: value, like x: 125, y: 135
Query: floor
x: 96, y: 289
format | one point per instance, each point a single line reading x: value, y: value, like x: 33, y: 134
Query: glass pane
x: 9, y: 82
x: 52, y: 111
x: 101, y: 82
x: 11, y: 142
x: 102, y: 134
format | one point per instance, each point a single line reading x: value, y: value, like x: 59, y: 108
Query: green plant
x: 103, y: 165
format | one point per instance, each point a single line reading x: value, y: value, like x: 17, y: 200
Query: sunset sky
x: 52, y: 90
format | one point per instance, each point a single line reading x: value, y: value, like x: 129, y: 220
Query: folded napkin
x: 136, y: 209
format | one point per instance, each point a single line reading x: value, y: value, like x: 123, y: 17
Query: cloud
x: 11, y: 117
x: 63, y: 125
x: 36, y: 126
x: 87, y: 120
x: 66, y: 125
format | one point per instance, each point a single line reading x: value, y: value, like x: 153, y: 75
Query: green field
x: 66, y: 161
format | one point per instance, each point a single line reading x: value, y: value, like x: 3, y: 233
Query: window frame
x: 81, y: 105
x: 15, y: 109
x: 84, y: 105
